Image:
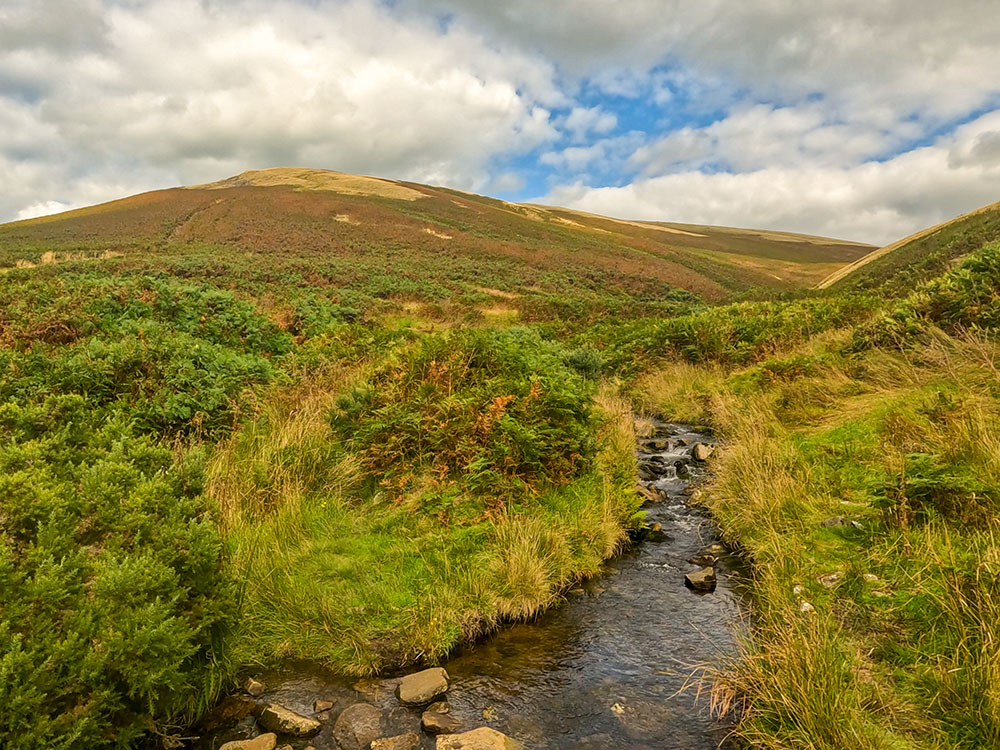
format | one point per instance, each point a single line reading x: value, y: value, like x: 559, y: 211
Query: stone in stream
x: 702, y: 451
x: 649, y: 495
x: 260, y: 742
x: 422, y: 687
x: 254, y: 687
x: 319, y: 706
x: 478, y: 739
x: 434, y: 722
x: 285, y: 721
x: 406, y: 741
x: 357, y: 727
x: 701, y: 580
x: 705, y: 560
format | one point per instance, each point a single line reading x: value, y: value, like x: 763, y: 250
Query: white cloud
x: 42, y: 208
x: 184, y: 91
x: 873, y: 202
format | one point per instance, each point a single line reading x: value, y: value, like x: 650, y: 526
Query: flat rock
x: 406, y: 741
x: 322, y: 705
x: 701, y: 580
x: 423, y: 687
x: 647, y: 494
x: 478, y: 739
x: 357, y: 727
x: 285, y: 721
x: 433, y: 722
x: 260, y: 742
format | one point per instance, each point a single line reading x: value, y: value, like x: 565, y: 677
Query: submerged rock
x: 260, y: 742
x: 285, y: 721
x: 434, y: 722
x: 422, y: 687
x: 704, y: 560
x: 701, y: 580
x: 357, y: 727
x: 406, y: 741
x: 478, y: 739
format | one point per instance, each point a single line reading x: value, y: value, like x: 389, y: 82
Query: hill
x: 383, y: 239
x: 899, y: 267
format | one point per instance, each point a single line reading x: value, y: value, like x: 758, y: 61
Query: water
x: 605, y: 670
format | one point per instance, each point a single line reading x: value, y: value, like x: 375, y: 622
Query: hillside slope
x: 905, y: 263
x: 418, y: 232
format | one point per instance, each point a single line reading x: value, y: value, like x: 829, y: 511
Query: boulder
x: 701, y: 580
x: 422, y: 687
x: 406, y: 741
x: 256, y: 688
x: 701, y: 451
x: 260, y: 742
x: 285, y: 721
x: 478, y: 739
x: 433, y: 722
x: 357, y: 727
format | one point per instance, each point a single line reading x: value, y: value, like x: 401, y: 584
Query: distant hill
x: 419, y: 232
x: 899, y: 267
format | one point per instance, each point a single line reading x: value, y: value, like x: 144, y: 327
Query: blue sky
x: 863, y: 120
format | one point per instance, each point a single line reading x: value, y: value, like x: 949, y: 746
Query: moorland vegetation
x: 222, y: 446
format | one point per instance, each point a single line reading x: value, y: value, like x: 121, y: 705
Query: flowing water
x: 604, y: 670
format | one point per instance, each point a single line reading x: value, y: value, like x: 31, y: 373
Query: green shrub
x: 500, y: 410
x: 113, y: 596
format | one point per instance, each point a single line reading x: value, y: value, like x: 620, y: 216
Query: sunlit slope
x: 899, y: 267
x: 320, y: 214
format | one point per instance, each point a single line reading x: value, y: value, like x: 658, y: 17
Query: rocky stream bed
x: 607, y: 669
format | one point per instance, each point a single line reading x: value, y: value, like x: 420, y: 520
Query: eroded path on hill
x: 605, y: 670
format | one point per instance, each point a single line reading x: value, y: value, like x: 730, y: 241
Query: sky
x: 858, y: 119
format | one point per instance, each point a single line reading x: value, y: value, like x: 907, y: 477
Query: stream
x: 604, y: 670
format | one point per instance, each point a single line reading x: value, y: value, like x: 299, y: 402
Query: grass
x: 897, y: 647
x: 370, y: 582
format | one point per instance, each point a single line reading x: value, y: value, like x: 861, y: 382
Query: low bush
x: 499, y: 409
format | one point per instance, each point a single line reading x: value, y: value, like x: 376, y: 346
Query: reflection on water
x: 604, y: 670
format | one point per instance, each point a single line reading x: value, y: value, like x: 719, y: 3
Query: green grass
x: 899, y: 645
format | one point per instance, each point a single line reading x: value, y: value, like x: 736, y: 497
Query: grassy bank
x: 362, y: 546
x: 860, y: 475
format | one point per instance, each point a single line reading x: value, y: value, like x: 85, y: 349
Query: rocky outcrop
x: 260, y: 742
x: 357, y: 727
x: 478, y: 739
x: 422, y: 687
x: 282, y: 720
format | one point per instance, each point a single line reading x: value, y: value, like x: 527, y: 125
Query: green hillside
x: 305, y: 415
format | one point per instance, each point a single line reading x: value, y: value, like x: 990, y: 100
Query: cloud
x: 186, y: 91
x: 711, y: 111
x: 875, y: 202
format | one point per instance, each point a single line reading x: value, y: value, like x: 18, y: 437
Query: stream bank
x: 604, y: 670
